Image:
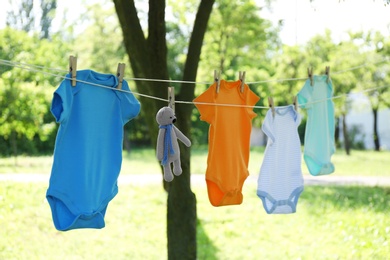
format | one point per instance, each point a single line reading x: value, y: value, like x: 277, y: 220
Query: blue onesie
x: 320, y: 125
x: 280, y: 181
x: 88, y: 148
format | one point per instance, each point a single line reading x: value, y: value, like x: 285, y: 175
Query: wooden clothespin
x: 73, y: 69
x: 327, y: 72
x: 241, y: 76
x: 217, y: 78
x: 310, y: 75
x: 271, y: 105
x: 120, y: 73
x: 295, y: 103
x: 171, y: 98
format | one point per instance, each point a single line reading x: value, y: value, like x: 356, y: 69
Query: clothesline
x: 26, y: 66
x: 77, y: 80
x: 7, y: 62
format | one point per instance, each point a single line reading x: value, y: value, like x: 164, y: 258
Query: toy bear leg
x: 177, y: 167
x: 168, y: 176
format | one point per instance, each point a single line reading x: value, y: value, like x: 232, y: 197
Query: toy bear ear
x: 160, y: 114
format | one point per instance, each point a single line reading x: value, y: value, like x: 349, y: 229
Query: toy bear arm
x: 160, y: 144
x: 182, y: 137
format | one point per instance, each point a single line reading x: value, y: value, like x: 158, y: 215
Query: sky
x: 302, y: 19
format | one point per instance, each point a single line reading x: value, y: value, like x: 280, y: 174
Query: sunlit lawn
x: 143, y: 161
x: 348, y: 222
x: 330, y: 223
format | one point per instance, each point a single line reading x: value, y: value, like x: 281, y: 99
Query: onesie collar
x: 108, y: 80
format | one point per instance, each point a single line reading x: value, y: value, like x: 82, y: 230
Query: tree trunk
x: 14, y: 144
x: 126, y: 142
x: 347, y: 144
x: 337, y: 131
x: 181, y: 217
x: 181, y: 200
x: 148, y: 59
x: 375, y: 132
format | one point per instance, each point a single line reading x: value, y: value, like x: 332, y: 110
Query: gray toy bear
x: 168, y: 150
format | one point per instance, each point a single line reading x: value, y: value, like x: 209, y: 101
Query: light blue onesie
x: 320, y: 125
x: 280, y: 181
x: 88, y: 148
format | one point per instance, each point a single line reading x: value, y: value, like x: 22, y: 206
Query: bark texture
x: 148, y: 59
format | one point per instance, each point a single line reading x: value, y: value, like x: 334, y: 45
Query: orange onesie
x: 229, y: 140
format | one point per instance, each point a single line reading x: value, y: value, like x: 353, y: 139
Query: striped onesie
x: 280, y: 181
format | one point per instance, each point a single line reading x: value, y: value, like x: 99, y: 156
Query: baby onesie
x: 88, y: 148
x: 229, y: 140
x: 320, y: 125
x: 280, y: 181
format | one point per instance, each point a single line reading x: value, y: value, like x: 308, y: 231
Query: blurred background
x: 274, y: 42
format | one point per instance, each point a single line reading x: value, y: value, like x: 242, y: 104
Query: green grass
x: 143, y: 161
x: 359, y: 163
x: 362, y: 163
x: 135, y: 226
x: 331, y: 223
x: 26, y: 164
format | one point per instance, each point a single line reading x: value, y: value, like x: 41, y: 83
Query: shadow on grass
x: 205, y: 247
x: 376, y: 199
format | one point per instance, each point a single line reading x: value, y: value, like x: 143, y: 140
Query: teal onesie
x: 320, y: 125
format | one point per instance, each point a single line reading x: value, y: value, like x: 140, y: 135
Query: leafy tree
x: 23, y: 107
x: 48, y: 8
x: 374, y: 75
x: 100, y: 45
x: 230, y: 48
x: 289, y: 63
x: 148, y: 59
x: 25, y: 93
x: 21, y: 17
x: 344, y: 56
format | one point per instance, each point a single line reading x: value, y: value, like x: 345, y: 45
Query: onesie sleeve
x: 304, y: 95
x: 62, y: 101
x: 298, y: 119
x: 206, y: 111
x: 130, y: 106
x: 267, y: 126
x: 251, y: 100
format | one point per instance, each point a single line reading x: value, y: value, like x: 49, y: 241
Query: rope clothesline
x: 78, y: 80
x: 7, y: 62
x: 31, y: 67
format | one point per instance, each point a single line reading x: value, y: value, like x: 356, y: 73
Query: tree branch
x: 133, y: 35
x: 156, y: 38
x: 194, y: 49
x: 384, y: 101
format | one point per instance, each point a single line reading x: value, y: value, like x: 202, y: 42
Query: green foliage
x: 48, y: 8
x: 100, y: 45
x: 25, y: 94
x: 356, y: 138
x: 288, y: 63
x: 23, y: 108
x: 237, y: 39
x: 373, y: 48
x: 22, y: 16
